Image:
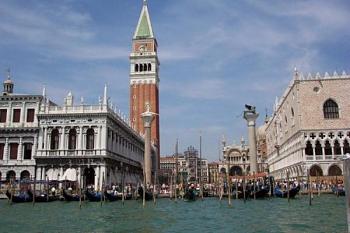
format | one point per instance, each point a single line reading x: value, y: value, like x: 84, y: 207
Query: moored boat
x: 71, y: 197
x: 148, y: 194
x: 20, y: 198
x: 190, y: 195
x: 284, y: 193
x: 93, y: 196
x: 112, y: 196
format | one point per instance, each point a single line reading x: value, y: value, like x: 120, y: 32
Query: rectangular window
x: 13, y: 150
x: 30, y: 115
x: 2, y: 145
x: 27, y: 151
x: 16, y: 115
x: 3, y: 113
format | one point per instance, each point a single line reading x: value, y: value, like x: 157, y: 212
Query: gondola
x: 148, y: 195
x: 284, y: 194
x: 71, y: 197
x: 339, y: 191
x: 22, y: 197
x: 112, y: 196
x: 45, y: 198
x: 262, y: 192
x: 190, y: 195
x: 93, y: 196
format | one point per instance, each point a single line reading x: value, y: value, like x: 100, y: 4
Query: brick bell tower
x: 144, y: 78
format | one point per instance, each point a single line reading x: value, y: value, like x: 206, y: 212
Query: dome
x: 8, y: 81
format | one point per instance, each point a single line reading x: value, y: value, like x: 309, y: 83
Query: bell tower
x: 144, y: 76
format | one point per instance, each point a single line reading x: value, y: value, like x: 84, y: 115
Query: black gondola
x: 148, y: 195
x: 284, y: 194
x: 71, y: 197
x: 93, y: 196
x: 22, y: 197
x: 112, y: 196
x: 190, y: 195
x: 45, y: 198
x: 339, y: 191
x: 261, y: 192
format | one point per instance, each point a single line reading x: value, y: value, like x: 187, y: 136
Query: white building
x: 310, y: 128
x: 18, y: 132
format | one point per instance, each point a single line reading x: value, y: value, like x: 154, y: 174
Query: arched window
x: 54, y: 139
x: 308, y: 148
x: 330, y: 109
x: 141, y: 67
x: 337, y: 149
x: 136, y: 67
x: 316, y: 170
x: 149, y: 67
x: 145, y: 67
x: 318, y: 148
x: 334, y: 170
x: 90, y: 139
x: 327, y: 148
x: 346, y: 147
x: 72, y: 139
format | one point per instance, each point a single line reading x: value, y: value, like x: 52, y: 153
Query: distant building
x: 189, y: 166
x: 309, y: 128
x: 236, y: 159
x: 213, y: 169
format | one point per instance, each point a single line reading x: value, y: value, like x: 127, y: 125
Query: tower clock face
x: 142, y: 48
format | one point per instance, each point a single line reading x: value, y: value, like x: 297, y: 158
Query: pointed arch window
x: 337, y: 149
x: 308, y: 148
x: 145, y: 67
x: 136, y: 67
x: 90, y: 139
x: 141, y: 68
x: 327, y: 148
x: 149, y: 67
x: 330, y: 109
x: 318, y: 148
x: 346, y: 147
x: 72, y: 139
x: 54, y: 139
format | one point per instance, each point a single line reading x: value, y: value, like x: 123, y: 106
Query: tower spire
x: 105, y: 95
x: 144, y: 26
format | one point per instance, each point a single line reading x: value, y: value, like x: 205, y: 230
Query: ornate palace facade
x: 309, y: 128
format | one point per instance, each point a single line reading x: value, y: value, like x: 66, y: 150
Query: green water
x: 327, y: 214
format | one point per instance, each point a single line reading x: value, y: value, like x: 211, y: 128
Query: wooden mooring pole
x: 309, y: 186
x: 346, y: 165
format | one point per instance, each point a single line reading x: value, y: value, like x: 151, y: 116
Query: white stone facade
x: 309, y: 128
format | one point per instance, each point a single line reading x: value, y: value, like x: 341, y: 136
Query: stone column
x: 98, y: 138
x: 103, y: 137
x: 40, y: 139
x: 147, y: 118
x: 61, y: 177
x: 8, y: 114
x: 333, y: 154
x: 97, y: 177
x: 35, y: 146
x: 62, y: 139
x: 314, y: 151
x: 45, y: 139
x: 43, y: 172
x: 250, y: 116
x: 38, y: 173
x: 6, y: 149
x: 102, y: 177
x: 323, y: 151
x: 20, y: 149
x: 80, y: 138
x: 22, y: 120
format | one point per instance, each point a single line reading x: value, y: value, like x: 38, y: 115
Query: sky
x: 215, y: 55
